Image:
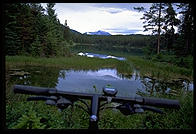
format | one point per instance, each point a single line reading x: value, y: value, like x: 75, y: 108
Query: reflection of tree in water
x: 48, y: 77
x: 121, y: 75
x: 155, y: 86
x: 39, y: 76
x: 62, y: 74
x: 134, y: 74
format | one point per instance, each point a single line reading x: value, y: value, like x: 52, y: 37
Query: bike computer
x: 109, y: 91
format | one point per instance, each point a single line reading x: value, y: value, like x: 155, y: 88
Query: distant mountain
x: 98, y: 33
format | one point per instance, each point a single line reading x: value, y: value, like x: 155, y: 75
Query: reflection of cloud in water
x: 107, y: 73
x: 83, y: 81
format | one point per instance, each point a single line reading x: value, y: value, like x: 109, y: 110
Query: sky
x: 115, y: 18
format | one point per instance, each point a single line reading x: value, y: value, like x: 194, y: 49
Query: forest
x: 28, y: 31
x: 31, y: 31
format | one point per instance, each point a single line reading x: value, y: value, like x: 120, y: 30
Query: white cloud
x: 142, y: 32
x: 87, y: 17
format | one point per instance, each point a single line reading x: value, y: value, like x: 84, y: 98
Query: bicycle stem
x: 94, y: 112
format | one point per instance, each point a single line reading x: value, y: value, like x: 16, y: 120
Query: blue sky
x: 115, y: 18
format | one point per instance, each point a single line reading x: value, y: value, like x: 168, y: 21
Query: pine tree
x: 169, y: 23
x: 12, y: 28
x: 27, y: 33
x: 39, y: 28
x: 154, y: 19
x: 186, y: 28
x: 50, y: 38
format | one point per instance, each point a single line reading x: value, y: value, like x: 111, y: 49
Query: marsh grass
x: 74, y: 62
x: 160, y: 70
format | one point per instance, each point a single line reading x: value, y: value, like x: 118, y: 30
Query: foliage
x: 176, y: 119
x: 124, y: 43
x: 186, y: 28
x: 170, y: 22
x: 162, y: 17
x: 154, y: 19
x: 28, y: 31
x: 151, y: 67
x: 30, y: 121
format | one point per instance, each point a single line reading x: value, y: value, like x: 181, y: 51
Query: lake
x: 83, y: 81
x: 86, y: 80
x: 92, y: 81
x: 102, y: 56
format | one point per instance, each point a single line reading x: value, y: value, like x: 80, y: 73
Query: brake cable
x: 84, y: 102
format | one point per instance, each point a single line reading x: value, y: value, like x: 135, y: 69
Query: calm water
x: 84, y: 80
x: 102, y: 56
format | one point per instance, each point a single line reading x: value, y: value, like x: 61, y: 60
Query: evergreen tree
x: 26, y: 21
x: 12, y: 28
x: 154, y: 19
x: 169, y: 23
x: 29, y: 31
x: 50, y: 38
x: 186, y: 28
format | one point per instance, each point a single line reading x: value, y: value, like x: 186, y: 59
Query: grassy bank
x: 74, y: 62
x: 160, y: 70
x: 146, y: 67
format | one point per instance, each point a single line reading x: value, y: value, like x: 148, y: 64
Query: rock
x: 37, y: 71
x: 15, y: 70
x: 22, y: 73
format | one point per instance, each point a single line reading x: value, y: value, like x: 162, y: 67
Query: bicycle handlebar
x: 33, y: 90
x: 95, y: 100
x: 159, y: 102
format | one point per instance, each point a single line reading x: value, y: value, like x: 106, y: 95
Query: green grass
x: 146, y: 67
x: 160, y: 70
x: 74, y: 62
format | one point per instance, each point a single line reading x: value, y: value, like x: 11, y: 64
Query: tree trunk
x: 172, y: 38
x: 187, y: 47
x: 158, y: 44
x: 159, y: 29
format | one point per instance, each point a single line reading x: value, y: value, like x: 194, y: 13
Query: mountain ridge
x: 99, y: 32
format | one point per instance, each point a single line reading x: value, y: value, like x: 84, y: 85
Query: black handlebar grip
x: 32, y: 90
x: 161, y: 102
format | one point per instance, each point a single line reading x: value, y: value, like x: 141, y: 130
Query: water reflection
x: 129, y: 84
x: 154, y: 86
x: 39, y: 76
x: 102, y: 56
x: 83, y: 81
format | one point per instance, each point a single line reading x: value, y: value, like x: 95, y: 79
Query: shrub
x: 30, y: 120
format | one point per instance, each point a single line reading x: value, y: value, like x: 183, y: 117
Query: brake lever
x: 128, y: 109
x: 153, y: 109
x: 51, y: 101
x: 63, y: 103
